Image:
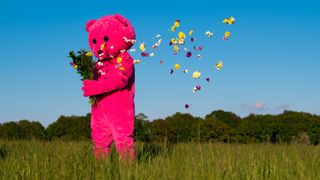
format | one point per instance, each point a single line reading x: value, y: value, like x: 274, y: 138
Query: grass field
x: 74, y: 160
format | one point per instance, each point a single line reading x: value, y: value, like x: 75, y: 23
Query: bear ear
x: 89, y: 24
x: 123, y: 20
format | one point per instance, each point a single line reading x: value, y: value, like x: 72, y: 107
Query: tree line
x: 218, y: 126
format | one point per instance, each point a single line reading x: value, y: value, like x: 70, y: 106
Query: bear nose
x: 100, y: 52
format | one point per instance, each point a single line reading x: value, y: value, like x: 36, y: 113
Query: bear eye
x: 94, y: 41
x: 106, y: 38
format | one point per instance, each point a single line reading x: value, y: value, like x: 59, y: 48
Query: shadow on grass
x: 3, y: 152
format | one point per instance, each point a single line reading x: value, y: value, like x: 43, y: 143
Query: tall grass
x: 74, y: 160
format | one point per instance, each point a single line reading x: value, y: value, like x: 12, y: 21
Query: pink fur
x: 112, y: 118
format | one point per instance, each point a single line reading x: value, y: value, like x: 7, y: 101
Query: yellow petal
x: 219, y: 65
x: 89, y: 54
x: 142, y: 47
x: 181, y: 35
x: 176, y: 24
x: 196, y: 74
x: 173, y: 28
x: 119, y: 59
x: 177, y: 66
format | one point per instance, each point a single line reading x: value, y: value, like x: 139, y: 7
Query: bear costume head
x: 110, y: 35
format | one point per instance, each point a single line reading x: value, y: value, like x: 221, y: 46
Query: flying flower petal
x: 142, y: 47
x: 209, y: 34
x: 177, y: 66
x: 189, y: 54
x: 219, y: 65
x: 196, y: 74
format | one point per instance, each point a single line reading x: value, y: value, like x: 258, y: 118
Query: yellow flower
x: 173, y: 28
x: 181, y: 35
x: 226, y: 35
x: 75, y: 66
x: 232, y: 20
x: 196, y: 74
x: 176, y: 48
x: 142, y: 47
x: 173, y: 41
x: 181, y: 41
x: 219, y: 65
x: 190, y: 32
x: 176, y: 23
x: 177, y: 66
x: 137, y: 61
x: 122, y: 68
x: 119, y: 60
x: 89, y: 54
x: 229, y: 21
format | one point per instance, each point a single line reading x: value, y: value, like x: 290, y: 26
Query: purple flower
x: 144, y: 54
x: 188, y: 54
x: 186, y: 106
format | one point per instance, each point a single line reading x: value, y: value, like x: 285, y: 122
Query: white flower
x: 132, y: 50
x: 101, y: 72
x: 209, y: 34
x: 100, y: 63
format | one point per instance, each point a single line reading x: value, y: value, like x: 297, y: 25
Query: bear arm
x: 118, y: 79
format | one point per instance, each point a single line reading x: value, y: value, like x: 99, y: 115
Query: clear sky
x: 271, y: 61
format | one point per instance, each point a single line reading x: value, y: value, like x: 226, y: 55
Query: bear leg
x: 101, y: 134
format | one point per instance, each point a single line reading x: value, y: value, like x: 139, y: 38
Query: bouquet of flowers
x: 84, y: 64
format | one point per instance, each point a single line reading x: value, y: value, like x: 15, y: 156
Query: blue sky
x: 271, y: 61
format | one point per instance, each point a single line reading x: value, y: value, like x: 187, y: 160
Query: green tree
x: 71, y: 128
x: 32, y: 129
x: 11, y: 130
x: 184, y: 127
x: 142, y: 128
x: 161, y: 131
x: 228, y: 118
x: 213, y: 129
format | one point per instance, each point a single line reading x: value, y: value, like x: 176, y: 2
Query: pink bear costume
x: 112, y: 118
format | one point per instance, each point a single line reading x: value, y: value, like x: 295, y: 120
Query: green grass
x: 74, y: 160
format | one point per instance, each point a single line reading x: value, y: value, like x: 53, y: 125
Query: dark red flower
x: 188, y: 54
x: 144, y: 54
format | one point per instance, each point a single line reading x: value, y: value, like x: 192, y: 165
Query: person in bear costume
x: 112, y: 117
